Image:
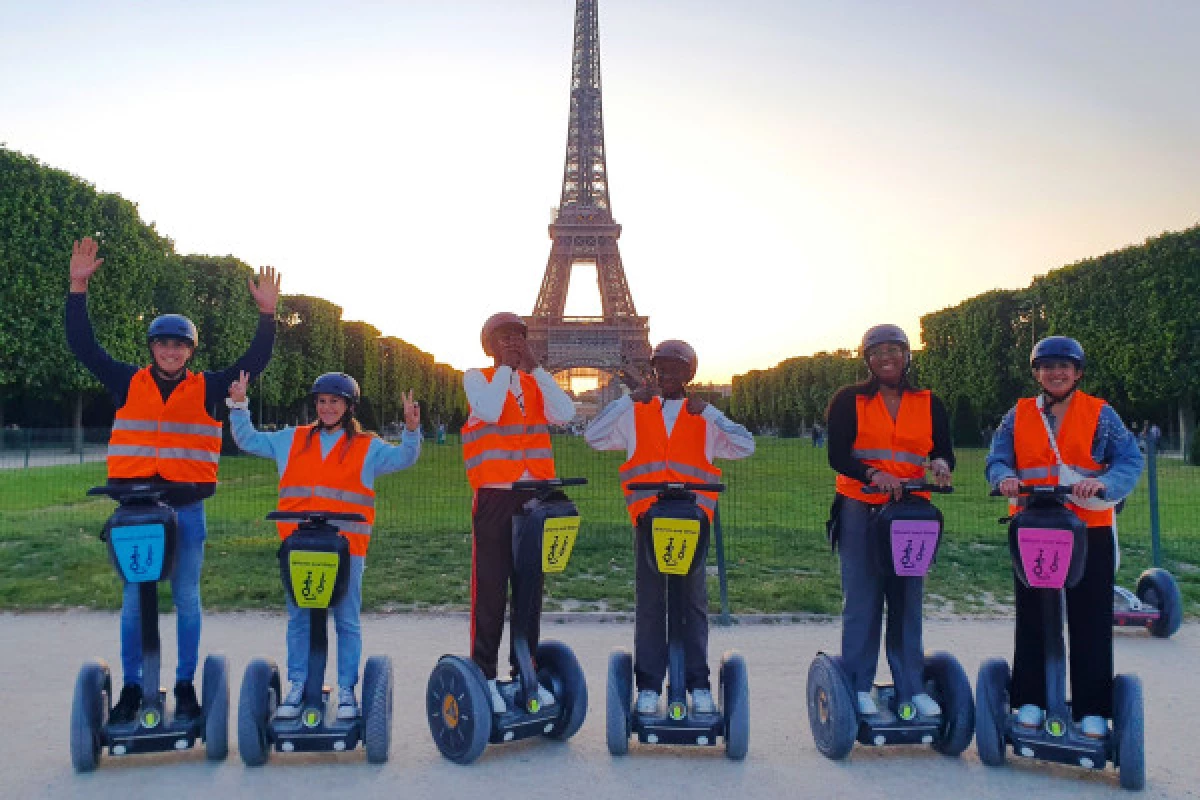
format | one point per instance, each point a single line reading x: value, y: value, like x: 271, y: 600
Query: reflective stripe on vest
x: 898, y: 446
x: 518, y: 442
x: 312, y: 482
x: 176, y: 440
x: 678, y: 457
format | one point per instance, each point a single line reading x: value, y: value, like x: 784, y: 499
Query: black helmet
x: 337, y: 383
x: 494, y: 323
x: 883, y: 334
x: 677, y: 349
x: 173, y: 326
x: 1060, y: 348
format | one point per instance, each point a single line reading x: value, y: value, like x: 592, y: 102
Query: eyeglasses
x: 882, y: 350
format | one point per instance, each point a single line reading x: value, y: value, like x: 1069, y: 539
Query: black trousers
x: 1089, y: 628
x: 491, y: 570
x: 650, y: 623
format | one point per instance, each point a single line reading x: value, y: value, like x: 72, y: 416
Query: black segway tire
x: 459, y: 709
x: 991, y: 711
x: 735, y: 705
x: 1158, y: 588
x: 377, y: 708
x: 952, y: 690
x: 831, y: 713
x: 89, y: 708
x: 619, y: 707
x: 215, y: 704
x: 1129, y: 731
x: 569, y: 685
x: 254, y: 711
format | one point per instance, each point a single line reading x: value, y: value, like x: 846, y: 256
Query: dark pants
x: 865, y: 587
x: 1089, y: 628
x: 650, y: 623
x: 491, y: 569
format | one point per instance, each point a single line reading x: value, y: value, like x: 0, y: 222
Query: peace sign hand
x: 237, y: 389
x: 266, y: 292
x: 84, y: 263
x: 412, y: 411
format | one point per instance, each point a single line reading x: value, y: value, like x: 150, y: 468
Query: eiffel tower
x: 583, y: 231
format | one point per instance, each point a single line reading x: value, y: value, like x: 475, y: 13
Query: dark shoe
x: 186, y: 707
x: 126, y: 709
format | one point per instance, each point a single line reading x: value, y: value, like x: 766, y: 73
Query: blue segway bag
x: 141, y: 541
x: 1048, y: 545
x: 536, y: 535
x: 907, y: 534
x: 314, y: 564
x: 671, y: 527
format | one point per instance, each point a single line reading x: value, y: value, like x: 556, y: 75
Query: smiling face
x: 887, y: 362
x: 330, y: 410
x: 1057, y: 376
x: 171, y: 355
x: 673, y: 374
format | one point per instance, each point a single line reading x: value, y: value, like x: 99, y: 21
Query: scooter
x: 1048, y: 547
x: 314, y: 564
x: 141, y: 545
x: 676, y: 529
x: 457, y: 699
x: 908, y: 532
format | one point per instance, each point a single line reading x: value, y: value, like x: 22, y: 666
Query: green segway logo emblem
x: 906, y: 711
x: 533, y: 705
x: 150, y: 718
x: 677, y: 711
x: 312, y: 717
x: 1055, y: 727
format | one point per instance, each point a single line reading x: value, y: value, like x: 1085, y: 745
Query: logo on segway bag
x: 675, y: 544
x: 312, y: 575
x: 1044, y: 552
x: 138, y: 551
x: 558, y: 540
x: 913, y: 544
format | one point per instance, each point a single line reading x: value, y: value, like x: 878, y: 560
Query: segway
x: 457, y: 698
x: 1155, y: 604
x: 907, y: 533
x: 314, y: 563
x: 675, y: 528
x: 141, y: 545
x: 1048, y: 547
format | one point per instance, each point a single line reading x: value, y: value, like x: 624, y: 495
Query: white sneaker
x: 498, y: 704
x: 545, y: 697
x: 647, y: 701
x: 347, y: 703
x: 1094, y: 727
x: 1030, y: 716
x: 290, y: 707
x: 926, y: 705
x: 702, y: 702
x: 866, y: 704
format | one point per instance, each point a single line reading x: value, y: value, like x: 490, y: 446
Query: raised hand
x: 84, y: 263
x: 412, y: 411
x: 266, y: 291
x: 528, y: 362
x: 237, y: 389
x: 696, y: 405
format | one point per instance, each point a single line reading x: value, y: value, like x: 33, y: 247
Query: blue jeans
x: 185, y: 589
x: 345, y: 620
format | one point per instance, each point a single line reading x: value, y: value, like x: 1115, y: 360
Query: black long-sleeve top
x: 842, y: 423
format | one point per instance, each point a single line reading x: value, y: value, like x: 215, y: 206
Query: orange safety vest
x: 1034, y: 456
x: 681, y: 457
x: 333, y: 483
x: 899, y: 446
x: 176, y: 440
x: 501, y: 452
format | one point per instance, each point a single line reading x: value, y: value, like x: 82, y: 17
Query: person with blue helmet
x: 164, y: 431
x: 1066, y: 437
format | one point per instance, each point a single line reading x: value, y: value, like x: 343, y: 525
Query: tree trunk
x: 77, y: 425
x: 1187, y: 426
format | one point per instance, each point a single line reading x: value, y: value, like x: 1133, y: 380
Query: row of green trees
x: 43, y: 210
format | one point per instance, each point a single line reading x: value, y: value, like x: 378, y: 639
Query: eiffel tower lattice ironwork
x: 583, y: 231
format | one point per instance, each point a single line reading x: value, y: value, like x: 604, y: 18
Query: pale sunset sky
x: 787, y: 172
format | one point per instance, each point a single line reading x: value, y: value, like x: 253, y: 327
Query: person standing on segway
x: 331, y: 465
x: 668, y: 436
x: 506, y: 438
x: 882, y: 432
x: 163, y: 431
x: 1064, y: 436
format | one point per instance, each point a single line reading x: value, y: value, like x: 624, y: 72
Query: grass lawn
x: 773, y: 518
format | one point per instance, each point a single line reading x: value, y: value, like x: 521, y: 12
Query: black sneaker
x: 126, y: 709
x: 186, y: 707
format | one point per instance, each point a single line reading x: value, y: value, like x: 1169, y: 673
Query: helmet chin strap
x: 1054, y: 399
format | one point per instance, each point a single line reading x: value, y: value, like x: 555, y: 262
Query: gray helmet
x: 1058, y: 348
x: 884, y: 334
x: 494, y: 323
x: 173, y: 326
x: 339, y: 384
x: 677, y: 349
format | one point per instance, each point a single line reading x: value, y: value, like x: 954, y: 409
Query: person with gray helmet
x: 1063, y: 436
x: 882, y: 432
x: 331, y: 465
x: 164, y: 432
x: 656, y: 417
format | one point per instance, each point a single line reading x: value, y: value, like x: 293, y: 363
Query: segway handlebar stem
x: 316, y: 516
x: 659, y: 486
x: 1034, y: 490
x: 908, y: 488
x: 552, y: 483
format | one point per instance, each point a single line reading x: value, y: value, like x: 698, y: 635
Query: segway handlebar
x: 659, y: 486
x: 316, y: 516
x: 1035, y: 490
x: 911, y: 487
x: 150, y: 489
x: 551, y: 483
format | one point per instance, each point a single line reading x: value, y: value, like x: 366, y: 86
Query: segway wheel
x: 215, y: 703
x: 89, y: 708
x: 1158, y: 588
x: 619, y: 708
x: 991, y: 711
x: 952, y: 690
x: 735, y: 705
x: 569, y: 685
x: 831, y: 713
x: 1129, y: 731
x: 255, y: 706
x: 377, y: 708
x: 459, y: 708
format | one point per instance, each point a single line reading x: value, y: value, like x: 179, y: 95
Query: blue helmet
x: 339, y: 384
x: 1061, y: 348
x: 173, y: 326
x: 886, y: 334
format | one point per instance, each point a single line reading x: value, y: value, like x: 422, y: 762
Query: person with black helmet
x: 1064, y: 436
x: 506, y: 438
x: 883, y: 432
x: 164, y: 430
x: 656, y: 419
x: 331, y: 465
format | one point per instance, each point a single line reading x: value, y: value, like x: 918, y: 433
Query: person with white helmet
x: 1064, y: 436
x: 882, y: 432
x: 657, y: 418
